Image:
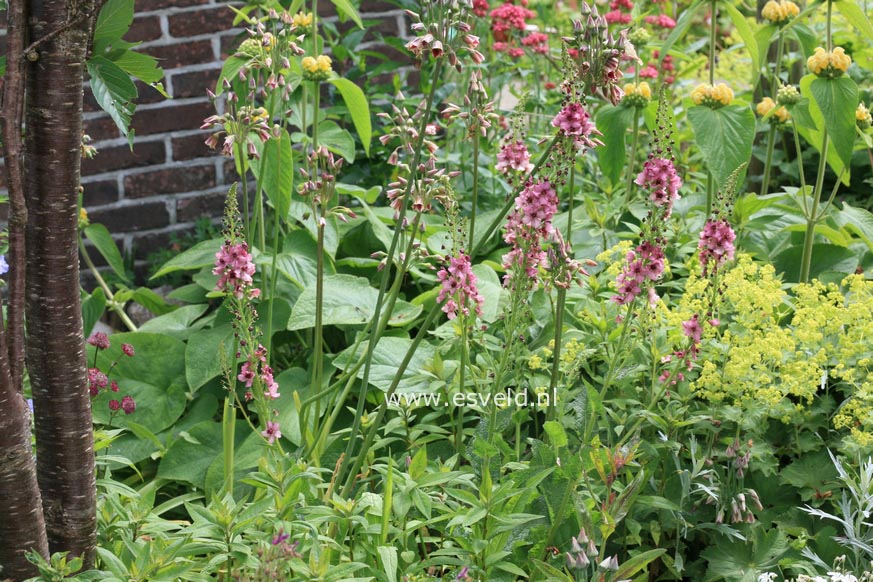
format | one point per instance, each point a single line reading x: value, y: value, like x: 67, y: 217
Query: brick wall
x: 171, y: 178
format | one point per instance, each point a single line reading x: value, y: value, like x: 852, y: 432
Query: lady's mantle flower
x: 459, y: 287
x: 767, y: 105
x: 637, y: 95
x: 862, y: 116
x: 829, y: 64
x: 272, y: 432
x: 316, y: 68
x: 780, y: 11
x: 514, y: 156
x: 712, y: 96
x: 234, y: 266
x: 659, y: 176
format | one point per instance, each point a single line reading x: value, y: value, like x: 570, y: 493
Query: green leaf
x: 93, y: 307
x: 2, y: 66
x: 202, y: 360
x: 189, y: 459
x: 337, y: 140
x: 359, y: 109
x: 142, y: 66
x: 229, y: 71
x: 347, y: 300
x: 276, y: 172
x: 557, y: 435
x: 159, y: 390
x: 800, y: 112
x: 298, y: 263
x: 102, y: 241
x: 837, y: 100
x: 389, y: 352
x: 613, y: 122
x: 742, y: 561
x: 725, y: 137
x: 636, y: 563
x: 857, y: 221
x: 114, y: 20
x: 388, y: 557
x: 855, y: 16
x: 152, y: 301
x: 345, y: 8
x: 825, y: 258
x: 491, y: 291
x: 178, y: 323
x: 748, y: 36
x: 114, y: 91
x: 197, y: 257
x: 686, y: 18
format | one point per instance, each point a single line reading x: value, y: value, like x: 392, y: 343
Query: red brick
x: 145, y: 5
x: 148, y: 94
x: 101, y: 128
x: 230, y: 42
x: 180, y: 54
x: 136, y: 217
x: 191, y: 147
x: 204, y: 21
x: 169, y: 181
x: 144, y: 29
x: 172, y: 118
x: 190, y: 209
x: 120, y: 158
x: 195, y: 83
x: 147, y: 243
x: 100, y: 192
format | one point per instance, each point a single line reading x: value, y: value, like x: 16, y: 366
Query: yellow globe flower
x: 317, y: 68
x: 863, y: 116
x: 712, y: 96
x: 767, y: 105
x: 780, y: 11
x: 302, y: 20
x: 637, y: 95
x: 829, y: 64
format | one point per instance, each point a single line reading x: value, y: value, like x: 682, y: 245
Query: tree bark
x: 55, y: 346
x: 22, y: 528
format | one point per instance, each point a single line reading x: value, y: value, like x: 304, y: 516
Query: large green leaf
x: 347, y: 300
x: 857, y: 221
x: 337, y: 140
x: 276, y: 172
x: 742, y: 561
x: 297, y: 262
x: 826, y: 258
x: 202, y: 360
x: 159, y: 390
x: 114, y: 20
x: 102, y: 241
x: 114, y: 92
x: 725, y: 137
x: 197, y: 257
x: 178, y: 323
x: 491, y: 291
x: 93, y: 306
x: 389, y: 352
x: 855, y: 16
x: 814, y: 135
x: 189, y: 457
x: 142, y: 66
x: 359, y: 109
x: 837, y: 100
x: 613, y: 123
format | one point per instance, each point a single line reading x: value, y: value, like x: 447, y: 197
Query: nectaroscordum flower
x: 637, y: 94
x: 712, y: 96
x: 863, y: 117
x: 829, y: 64
x: 780, y: 11
x: 767, y: 105
x: 316, y: 68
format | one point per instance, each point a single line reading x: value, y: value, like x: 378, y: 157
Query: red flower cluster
x: 98, y: 381
x: 619, y: 12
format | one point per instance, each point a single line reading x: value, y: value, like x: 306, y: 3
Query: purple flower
x: 280, y: 537
x: 660, y: 178
x: 4, y: 266
x: 128, y: 405
x: 459, y: 287
x: 716, y: 243
x: 234, y: 266
x: 99, y: 340
x: 128, y: 350
x: 272, y: 432
x: 514, y: 156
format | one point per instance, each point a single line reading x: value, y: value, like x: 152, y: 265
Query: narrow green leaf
x: 276, y: 172
x: 725, y: 137
x: 102, y: 241
x: 114, y: 20
x: 682, y: 24
x: 748, y: 36
x: 837, y: 100
x: 855, y: 16
x: 359, y: 109
x: 345, y: 8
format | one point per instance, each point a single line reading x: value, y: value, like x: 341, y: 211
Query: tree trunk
x: 22, y: 528
x: 55, y: 346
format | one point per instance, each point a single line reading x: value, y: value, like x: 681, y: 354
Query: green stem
x: 812, y: 218
x: 459, y: 422
x: 712, y: 37
x: 110, y: 297
x: 768, y: 164
x: 228, y: 432
x: 318, y: 343
x: 635, y: 140
x: 475, y: 197
x: 556, y: 355
x: 710, y: 192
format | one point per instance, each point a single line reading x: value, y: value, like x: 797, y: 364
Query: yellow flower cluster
x: 713, y: 96
x: 780, y: 11
x: 302, y: 20
x: 637, y: 95
x: 863, y: 117
x: 829, y: 64
x: 84, y: 221
x: 316, y: 69
x: 767, y: 105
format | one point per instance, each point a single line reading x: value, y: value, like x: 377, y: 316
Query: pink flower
x: 617, y: 17
x: 272, y: 432
x: 459, y: 287
x: 692, y: 328
x: 574, y: 121
x: 661, y: 20
x: 659, y: 176
x: 528, y: 225
x: 234, y: 266
x: 271, y: 384
x: 649, y: 72
x: 113, y: 386
x: 99, y: 340
x: 114, y: 405
x: 246, y: 375
x: 128, y: 404
x: 128, y: 350
x: 96, y: 381
x: 514, y: 156
x: 515, y: 52
x: 716, y: 243
x: 480, y: 8
x: 537, y: 41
